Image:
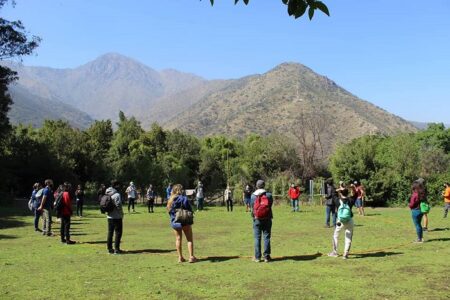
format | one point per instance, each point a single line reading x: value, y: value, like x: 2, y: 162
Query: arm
x: 413, y: 201
x: 44, y: 199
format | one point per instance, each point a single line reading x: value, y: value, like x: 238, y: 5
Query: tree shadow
x: 95, y: 242
x: 438, y: 240
x: 439, y: 229
x: 298, y: 257
x: 372, y: 214
x: 215, y: 259
x: 7, y: 237
x: 7, y: 222
x: 154, y: 251
x: 376, y: 254
x: 77, y: 234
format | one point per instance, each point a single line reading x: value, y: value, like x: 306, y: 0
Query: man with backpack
x: 261, y: 203
x: 111, y: 203
x: 46, y: 207
x: 344, y: 222
x: 294, y: 194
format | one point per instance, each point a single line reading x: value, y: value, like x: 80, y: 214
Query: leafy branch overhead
x: 298, y: 8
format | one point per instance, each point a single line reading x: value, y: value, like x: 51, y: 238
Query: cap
x: 260, y: 184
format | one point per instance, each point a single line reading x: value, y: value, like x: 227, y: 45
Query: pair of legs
x: 446, y: 208
x: 131, y: 203
x: 330, y: 210
x: 200, y: 203
x: 65, y: 230
x: 417, y: 220
x: 150, y: 204
x: 37, y: 216
x: 425, y: 222
x: 348, y: 229
x: 187, y: 229
x: 46, y: 221
x: 262, y: 228
x: 294, y: 203
x: 229, y: 205
x: 80, y: 208
x: 247, y: 204
x: 360, y: 205
x: 114, y: 226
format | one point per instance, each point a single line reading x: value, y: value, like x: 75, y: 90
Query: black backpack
x: 58, y: 203
x: 106, y: 204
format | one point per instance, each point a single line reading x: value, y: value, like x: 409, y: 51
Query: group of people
x: 339, y: 203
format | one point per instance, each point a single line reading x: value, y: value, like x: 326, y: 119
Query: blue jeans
x: 264, y: 228
x: 200, y: 203
x: 37, y: 216
x: 330, y: 209
x: 417, y: 220
x: 294, y: 203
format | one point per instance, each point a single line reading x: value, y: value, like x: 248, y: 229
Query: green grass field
x: 384, y: 263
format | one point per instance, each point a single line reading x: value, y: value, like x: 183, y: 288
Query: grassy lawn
x: 384, y: 263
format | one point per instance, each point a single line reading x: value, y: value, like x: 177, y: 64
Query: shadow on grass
x: 7, y: 237
x: 7, y: 222
x: 438, y: 240
x: 77, y: 234
x: 374, y: 214
x: 95, y: 242
x: 155, y: 251
x: 217, y: 258
x: 439, y: 229
x: 298, y: 257
x: 376, y: 254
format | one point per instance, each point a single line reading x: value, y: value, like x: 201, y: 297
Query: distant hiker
x: 418, y: 193
x: 168, y: 191
x: 178, y: 205
x: 100, y: 192
x: 79, y: 194
x: 261, y: 202
x: 36, y: 198
x: 199, y: 195
x: 330, y: 202
x: 294, y: 194
x: 66, y: 213
x: 132, y: 195
x: 359, y: 197
x: 115, y: 218
x: 228, y: 196
x: 246, y: 197
x: 344, y: 222
x: 151, y: 196
x: 424, y: 209
x: 46, y: 207
x: 446, y: 195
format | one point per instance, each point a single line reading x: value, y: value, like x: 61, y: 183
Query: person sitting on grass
x: 176, y: 201
x: 344, y: 222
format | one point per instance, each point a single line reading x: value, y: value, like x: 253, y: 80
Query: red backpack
x: 261, y: 207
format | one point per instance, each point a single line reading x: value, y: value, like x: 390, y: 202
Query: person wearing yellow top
x: 446, y: 194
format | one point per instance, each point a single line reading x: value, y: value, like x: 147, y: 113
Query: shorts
x: 247, y: 201
x: 358, y: 203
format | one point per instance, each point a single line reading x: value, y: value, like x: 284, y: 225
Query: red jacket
x: 294, y: 193
x: 414, y: 202
x: 67, y: 205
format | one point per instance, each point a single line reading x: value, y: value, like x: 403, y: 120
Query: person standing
x: 261, y: 203
x: 294, y: 194
x: 199, y: 195
x: 344, y: 222
x: 330, y: 203
x: 359, y: 197
x: 66, y: 214
x: 36, y: 198
x: 179, y: 201
x: 228, y: 196
x: 115, y: 219
x: 151, y: 195
x: 418, y: 193
x: 46, y: 207
x: 246, y: 197
x: 79, y: 194
x: 446, y: 195
x: 132, y: 195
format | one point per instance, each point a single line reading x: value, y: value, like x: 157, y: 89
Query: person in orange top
x: 294, y: 194
x: 66, y: 213
x: 446, y: 194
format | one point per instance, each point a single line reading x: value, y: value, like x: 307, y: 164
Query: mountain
x: 275, y: 101
x: 424, y: 125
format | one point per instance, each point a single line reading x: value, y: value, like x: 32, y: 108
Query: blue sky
x: 395, y: 54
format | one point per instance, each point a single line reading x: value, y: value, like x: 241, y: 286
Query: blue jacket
x: 180, y: 201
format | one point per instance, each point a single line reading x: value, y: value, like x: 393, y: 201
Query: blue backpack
x: 344, y: 213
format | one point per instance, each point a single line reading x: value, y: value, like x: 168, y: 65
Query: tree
x: 298, y: 8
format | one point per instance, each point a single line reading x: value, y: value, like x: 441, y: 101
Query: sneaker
x: 257, y: 260
x: 419, y: 241
x: 110, y: 251
x: 267, y: 259
x: 425, y: 228
x: 63, y: 241
x: 333, y: 254
x: 192, y: 259
x: 345, y: 256
x: 327, y: 226
x: 70, y: 242
x: 116, y: 252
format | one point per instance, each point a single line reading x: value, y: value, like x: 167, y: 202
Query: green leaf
x: 320, y: 5
x: 236, y: 2
x: 246, y: 2
x: 311, y: 12
x: 212, y: 2
x: 285, y: 2
x: 300, y: 9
